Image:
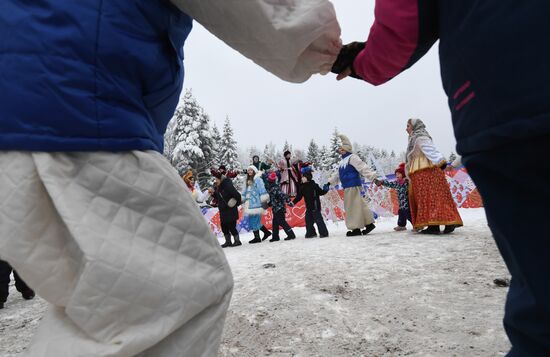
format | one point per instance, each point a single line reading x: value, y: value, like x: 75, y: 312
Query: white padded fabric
x: 292, y: 39
x: 116, y: 244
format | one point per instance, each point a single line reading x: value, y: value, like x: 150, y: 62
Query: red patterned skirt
x: 430, y: 199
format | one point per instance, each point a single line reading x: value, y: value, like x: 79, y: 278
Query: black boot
x: 237, y: 241
x: 449, y: 229
x: 368, y: 229
x: 267, y: 233
x: 256, y: 238
x: 290, y: 235
x: 353, y: 233
x: 431, y: 230
x: 227, y: 241
x: 28, y: 294
x: 275, y: 239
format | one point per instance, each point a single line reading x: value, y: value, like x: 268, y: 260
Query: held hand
x: 343, y: 66
x: 344, y: 74
x: 210, y: 190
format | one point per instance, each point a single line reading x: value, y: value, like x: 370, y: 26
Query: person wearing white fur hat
x: 350, y: 171
x: 255, y: 198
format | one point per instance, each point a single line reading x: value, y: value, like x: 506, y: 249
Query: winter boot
x: 290, y: 235
x: 275, y: 239
x: 323, y: 236
x: 431, y: 230
x: 449, y: 229
x: 237, y: 241
x: 368, y: 229
x: 227, y: 241
x: 28, y: 294
x: 399, y: 228
x: 311, y: 233
x: 353, y: 233
x: 267, y: 233
x: 256, y: 238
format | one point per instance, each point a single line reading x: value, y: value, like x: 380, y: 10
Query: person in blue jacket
x: 495, y: 69
x: 93, y: 217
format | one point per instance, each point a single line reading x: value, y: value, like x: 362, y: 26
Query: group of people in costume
x: 263, y: 187
x: 88, y: 88
x: 423, y: 192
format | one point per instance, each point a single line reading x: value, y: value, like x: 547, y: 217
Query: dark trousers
x: 279, y: 220
x: 315, y: 216
x: 404, y: 215
x: 5, y: 271
x: 230, y: 228
x: 514, y: 182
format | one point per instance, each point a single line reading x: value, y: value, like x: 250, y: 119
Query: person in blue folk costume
x: 255, y: 199
x: 350, y: 173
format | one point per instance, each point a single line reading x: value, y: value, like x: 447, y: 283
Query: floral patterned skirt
x: 430, y: 199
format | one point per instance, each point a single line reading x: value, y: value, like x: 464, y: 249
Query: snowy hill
x: 386, y: 294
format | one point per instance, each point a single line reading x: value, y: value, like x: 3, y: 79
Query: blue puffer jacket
x: 89, y: 75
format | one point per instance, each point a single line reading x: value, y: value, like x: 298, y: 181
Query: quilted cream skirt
x: 115, y: 243
x: 358, y: 214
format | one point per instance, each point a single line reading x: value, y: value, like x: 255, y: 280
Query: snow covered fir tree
x: 194, y: 142
x: 191, y: 142
x: 313, y: 153
x: 228, y: 153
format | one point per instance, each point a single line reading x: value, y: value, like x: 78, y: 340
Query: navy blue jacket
x: 311, y: 192
x: 495, y: 62
x: 277, y: 198
x: 89, y: 75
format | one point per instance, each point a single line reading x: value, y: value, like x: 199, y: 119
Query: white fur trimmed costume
x: 255, y: 197
x: 351, y: 169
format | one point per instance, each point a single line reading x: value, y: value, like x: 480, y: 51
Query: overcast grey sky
x: 266, y: 109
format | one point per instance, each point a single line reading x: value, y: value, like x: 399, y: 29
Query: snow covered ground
x: 386, y: 294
